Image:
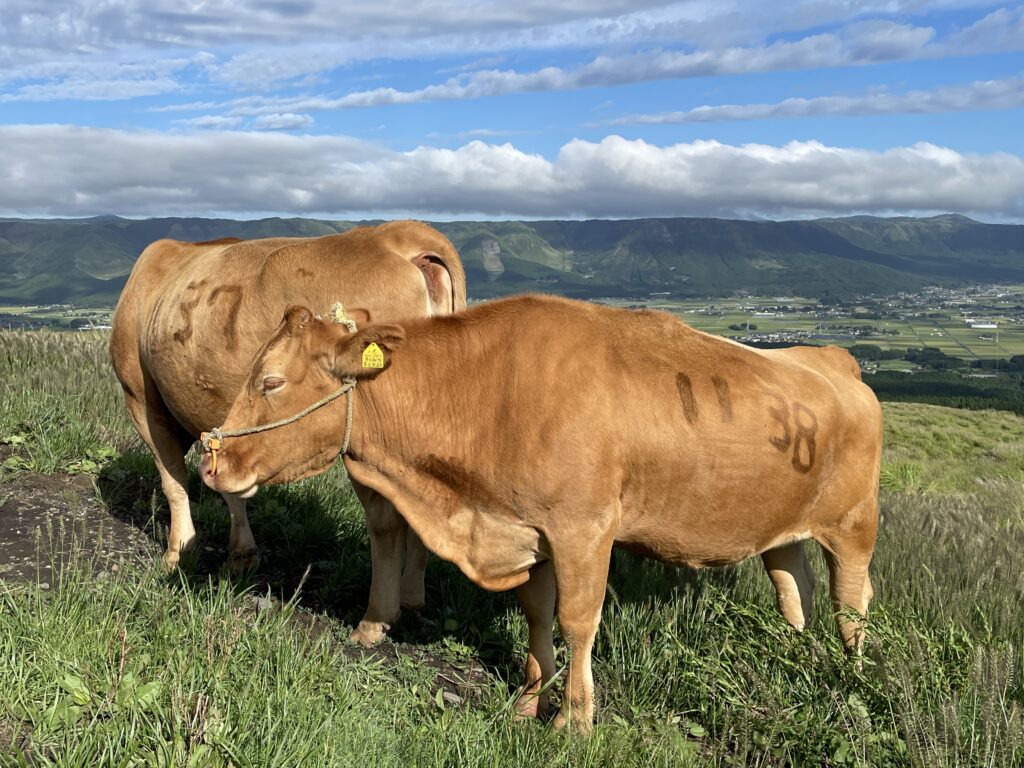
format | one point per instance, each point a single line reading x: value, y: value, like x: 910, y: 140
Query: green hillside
x: 86, y: 261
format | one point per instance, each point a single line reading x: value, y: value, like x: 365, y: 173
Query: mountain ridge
x: 86, y: 261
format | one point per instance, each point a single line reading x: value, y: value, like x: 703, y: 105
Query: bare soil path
x: 44, y: 519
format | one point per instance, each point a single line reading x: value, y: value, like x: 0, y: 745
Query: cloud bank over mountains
x: 67, y: 170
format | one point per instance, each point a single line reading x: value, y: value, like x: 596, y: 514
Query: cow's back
x: 193, y: 315
x: 763, y: 446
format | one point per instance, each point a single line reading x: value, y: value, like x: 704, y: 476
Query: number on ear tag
x: 372, y: 356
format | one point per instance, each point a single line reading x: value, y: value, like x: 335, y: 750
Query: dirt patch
x: 45, y: 520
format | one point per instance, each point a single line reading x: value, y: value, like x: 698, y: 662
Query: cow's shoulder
x: 166, y: 246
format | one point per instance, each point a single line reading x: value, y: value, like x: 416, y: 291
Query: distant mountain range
x: 86, y: 261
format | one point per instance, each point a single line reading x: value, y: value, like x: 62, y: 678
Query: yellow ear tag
x: 372, y: 356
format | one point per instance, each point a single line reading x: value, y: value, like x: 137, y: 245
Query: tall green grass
x: 139, y: 668
x: 60, y: 403
x: 930, y: 448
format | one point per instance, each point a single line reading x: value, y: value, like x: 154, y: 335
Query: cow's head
x: 305, y: 360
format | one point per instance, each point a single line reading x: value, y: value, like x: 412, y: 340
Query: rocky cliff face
x: 492, y: 263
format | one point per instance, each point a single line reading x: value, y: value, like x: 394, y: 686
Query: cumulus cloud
x: 44, y: 171
x: 977, y: 96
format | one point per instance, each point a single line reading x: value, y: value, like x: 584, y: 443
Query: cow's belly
x: 718, y: 520
x: 707, y: 548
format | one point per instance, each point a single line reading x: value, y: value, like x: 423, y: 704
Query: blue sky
x: 446, y: 109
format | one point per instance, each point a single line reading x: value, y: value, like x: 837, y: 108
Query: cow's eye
x: 270, y: 383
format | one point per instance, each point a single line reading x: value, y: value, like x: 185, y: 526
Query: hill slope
x: 88, y: 260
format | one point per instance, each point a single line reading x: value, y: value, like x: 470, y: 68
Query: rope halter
x: 213, y: 440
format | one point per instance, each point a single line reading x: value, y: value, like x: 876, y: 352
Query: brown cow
x: 192, y: 318
x: 524, y: 438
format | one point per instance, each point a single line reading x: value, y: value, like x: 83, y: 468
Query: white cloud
x: 977, y: 96
x: 192, y: 106
x: 90, y: 23
x: 63, y: 170
x: 92, y: 90
x: 262, y: 34
x: 95, y: 80
x: 707, y: 26
x: 856, y: 44
x: 281, y: 122
x: 218, y: 122
x: 1000, y: 31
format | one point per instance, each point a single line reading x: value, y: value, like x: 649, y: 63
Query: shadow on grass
x: 314, y: 549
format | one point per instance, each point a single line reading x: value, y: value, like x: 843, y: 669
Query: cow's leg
x: 790, y: 572
x: 848, y: 554
x: 582, y: 578
x: 387, y: 531
x: 412, y: 591
x: 168, y: 443
x: 537, y: 598
x: 243, y: 554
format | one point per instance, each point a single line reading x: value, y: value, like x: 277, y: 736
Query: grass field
x: 199, y: 669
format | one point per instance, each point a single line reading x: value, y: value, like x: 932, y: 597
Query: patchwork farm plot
x: 987, y: 324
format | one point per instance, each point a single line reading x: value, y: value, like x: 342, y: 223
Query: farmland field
x: 105, y: 660
x: 916, y: 321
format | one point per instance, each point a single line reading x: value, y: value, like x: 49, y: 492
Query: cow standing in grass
x: 194, y: 315
x: 525, y: 438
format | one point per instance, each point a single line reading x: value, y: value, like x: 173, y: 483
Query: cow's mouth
x: 223, y: 481
x: 249, y: 493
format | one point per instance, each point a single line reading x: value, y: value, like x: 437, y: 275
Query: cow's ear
x: 366, y: 352
x: 361, y: 316
x: 296, y: 318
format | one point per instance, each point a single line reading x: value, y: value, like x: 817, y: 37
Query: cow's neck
x: 418, y: 407
x: 428, y: 436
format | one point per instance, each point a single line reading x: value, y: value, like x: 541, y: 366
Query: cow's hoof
x: 243, y: 562
x: 577, y: 724
x: 176, y: 547
x: 411, y: 605
x: 369, y: 633
x: 531, y: 705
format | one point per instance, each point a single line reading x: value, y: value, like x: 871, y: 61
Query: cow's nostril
x: 207, y: 468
